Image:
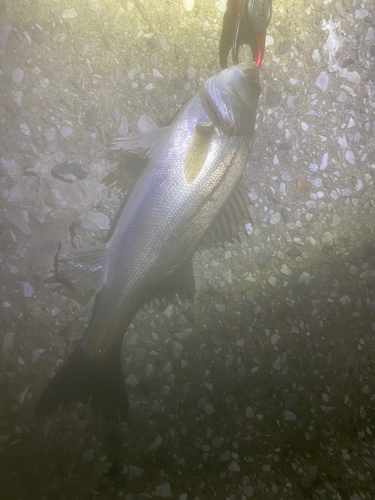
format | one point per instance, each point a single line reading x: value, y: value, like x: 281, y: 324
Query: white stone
x: 305, y: 278
x: 289, y: 416
x: 345, y: 299
x: 28, y: 290
x: 188, y: 4
x: 133, y: 72
x: 17, y: 75
x: 285, y: 270
x: 156, y: 73
x: 24, y: 129
x: 349, y: 157
x: 69, y: 13
x: 322, y: 81
x: 35, y: 355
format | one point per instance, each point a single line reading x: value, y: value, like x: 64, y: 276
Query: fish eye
x: 255, y: 87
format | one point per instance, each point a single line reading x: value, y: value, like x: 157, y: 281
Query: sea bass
x: 194, y: 168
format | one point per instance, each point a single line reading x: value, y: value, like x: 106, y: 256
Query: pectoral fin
x: 230, y: 220
x: 151, y: 144
x: 87, y: 265
x: 197, y: 151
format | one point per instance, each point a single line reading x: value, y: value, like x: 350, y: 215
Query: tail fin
x: 82, y: 378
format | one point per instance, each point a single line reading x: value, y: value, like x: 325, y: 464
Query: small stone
x: 272, y: 280
x: 163, y: 490
x: 146, y: 124
x: 134, y: 72
x: 66, y: 131
x: 131, y: 380
x: 188, y: 4
x: 314, y: 470
x: 217, y: 442
x: 322, y: 81
x: 152, y: 43
x: 234, y: 467
x: 19, y: 222
x: 219, y: 307
x: 361, y: 13
x: 168, y: 311
x: 156, y: 73
x: 17, y: 96
x: 96, y: 221
x: 163, y: 44
x: 345, y: 299
x: 269, y: 41
x: 369, y: 34
x: 289, y: 416
x: 273, y: 98
x: 285, y: 270
x: 327, y: 238
x: 209, y: 409
x: 28, y: 290
x: 305, y: 278
x: 59, y: 37
x: 315, y: 55
x: 262, y: 259
x: 24, y: 129
x: 4, y: 34
x: 349, y: 157
x: 88, y: 455
x: 135, y: 471
x: 277, y: 363
x: 49, y: 134
x: 17, y: 75
x: 275, y: 218
x: 284, y: 47
x: 221, y: 5
x: 8, y: 342
x: 69, y: 13
x: 248, y: 491
x: 191, y: 72
x: 369, y: 273
x: 35, y: 355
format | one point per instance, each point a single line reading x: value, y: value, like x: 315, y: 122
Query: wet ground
x: 264, y: 385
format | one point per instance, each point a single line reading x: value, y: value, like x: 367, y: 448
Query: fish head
x: 233, y: 97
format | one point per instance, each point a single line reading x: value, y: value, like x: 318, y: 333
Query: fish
x: 245, y: 22
x: 189, y: 189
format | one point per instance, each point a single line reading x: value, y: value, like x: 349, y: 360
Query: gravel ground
x: 264, y: 385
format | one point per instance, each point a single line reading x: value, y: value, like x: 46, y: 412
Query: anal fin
x: 86, y: 265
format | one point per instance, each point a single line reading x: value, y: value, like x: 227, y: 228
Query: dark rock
x: 284, y: 47
x: 294, y: 251
x: 152, y: 43
x: 67, y: 330
x: 283, y: 30
x: 284, y: 214
x: 68, y: 167
x: 262, y: 259
x: 285, y: 146
x: 273, y: 98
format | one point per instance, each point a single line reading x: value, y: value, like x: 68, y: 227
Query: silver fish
x: 194, y: 167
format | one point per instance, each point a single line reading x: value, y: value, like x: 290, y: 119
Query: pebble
x: 145, y: 124
x: 69, y: 13
x: 217, y: 442
x: 19, y: 222
x: 131, y: 380
x: 327, y: 238
x: 262, y: 259
x: 221, y: 5
x: 369, y: 34
x: 305, y: 278
x: 35, y: 355
x: 88, y: 455
x: 17, y: 75
x: 163, y: 490
x: 316, y: 55
x: 277, y: 363
x: 163, y: 44
x: 219, y: 307
x: 66, y: 131
x: 234, y: 467
x: 345, y: 299
x: 8, y: 342
x: 275, y: 218
x: 248, y: 491
x: 28, y: 290
x: 17, y: 96
x: 156, y: 73
x: 289, y: 416
x: 59, y: 38
x: 49, y: 134
x: 349, y: 157
x: 361, y: 13
x: 285, y: 270
x: 322, y: 81
x: 24, y: 129
x: 135, y: 471
x: 272, y: 280
x: 134, y: 72
x: 4, y: 34
x: 96, y: 221
x: 191, y: 72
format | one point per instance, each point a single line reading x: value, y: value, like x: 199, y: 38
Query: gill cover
x: 233, y: 97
